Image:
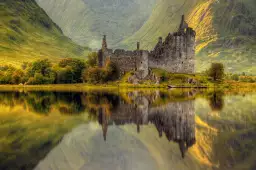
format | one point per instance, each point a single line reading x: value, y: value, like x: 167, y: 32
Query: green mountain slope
x: 227, y: 34
x: 165, y: 18
x: 85, y: 21
x: 226, y: 30
x: 27, y: 34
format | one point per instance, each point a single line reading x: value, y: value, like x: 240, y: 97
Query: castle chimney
x: 160, y: 40
x: 138, y: 45
x: 183, y: 24
x: 104, y: 42
x: 182, y: 18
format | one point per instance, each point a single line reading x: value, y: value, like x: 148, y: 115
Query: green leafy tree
x: 92, y: 59
x: 113, y: 72
x: 40, y: 72
x: 6, y: 73
x: 77, y: 66
x: 64, y: 75
x: 101, y: 75
x: 235, y: 77
x: 18, y: 77
x: 216, y: 72
x: 95, y: 75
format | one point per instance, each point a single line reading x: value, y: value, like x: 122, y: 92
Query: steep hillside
x: 85, y: 21
x: 226, y: 30
x: 165, y: 18
x: 27, y: 34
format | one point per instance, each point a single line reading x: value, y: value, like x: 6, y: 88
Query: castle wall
x: 126, y: 61
x: 176, y: 54
x: 142, y: 64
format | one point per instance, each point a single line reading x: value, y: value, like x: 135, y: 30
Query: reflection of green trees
x: 43, y: 102
x: 96, y: 101
x: 70, y: 103
x: 40, y: 102
x: 216, y: 100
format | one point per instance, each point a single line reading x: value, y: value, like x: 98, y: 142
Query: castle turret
x: 138, y: 45
x: 160, y: 40
x: 183, y: 24
x: 104, y: 43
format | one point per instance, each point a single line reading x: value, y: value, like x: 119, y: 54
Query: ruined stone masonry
x: 175, y: 54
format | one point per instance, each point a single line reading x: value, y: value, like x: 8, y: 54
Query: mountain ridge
x: 86, y: 21
x: 226, y: 31
x: 27, y: 34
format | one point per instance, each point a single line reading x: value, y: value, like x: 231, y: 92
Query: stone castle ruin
x: 175, y: 54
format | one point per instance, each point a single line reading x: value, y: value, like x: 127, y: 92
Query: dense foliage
x: 67, y: 71
x: 43, y: 72
x: 11, y: 75
x: 101, y: 75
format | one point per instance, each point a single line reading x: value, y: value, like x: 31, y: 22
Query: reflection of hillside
x: 44, y: 102
x: 175, y: 119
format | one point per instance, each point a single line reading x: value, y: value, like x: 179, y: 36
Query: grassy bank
x: 227, y: 86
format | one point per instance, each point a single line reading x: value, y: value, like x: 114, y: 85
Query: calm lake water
x: 127, y: 130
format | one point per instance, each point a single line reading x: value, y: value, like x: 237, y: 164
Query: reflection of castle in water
x: 175, y: 119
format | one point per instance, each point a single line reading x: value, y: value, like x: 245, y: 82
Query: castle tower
x: 160, y: 40
x: 138, y: 45
x: 104, y: 43
x: 102, y: 52
x: 103, y: 120
x: 183, y: 24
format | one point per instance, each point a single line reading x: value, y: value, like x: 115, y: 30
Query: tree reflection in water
x: 216, y: 101
x: 171, y: 113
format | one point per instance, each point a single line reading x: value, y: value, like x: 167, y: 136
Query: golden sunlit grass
x: 201, y: 19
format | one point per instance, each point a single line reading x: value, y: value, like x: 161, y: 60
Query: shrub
x: 95, y: 75
x: 113, y: 72
x: 249, y: 79
x: 235, y: 77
